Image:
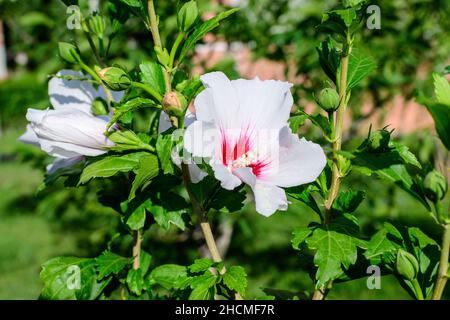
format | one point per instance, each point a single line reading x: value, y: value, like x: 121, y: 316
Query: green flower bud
x: 115, y: 78
x: 187, y: 15
x: 174, y: 103
x: 379, y: 141
x: 435, y: 185
x: 99, y: 107
x: 407, y: 265
x: 69, y: 52
x: 97, y: 25
x: 328, y: 99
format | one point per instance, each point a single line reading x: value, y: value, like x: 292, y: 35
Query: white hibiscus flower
x: 241, y: 128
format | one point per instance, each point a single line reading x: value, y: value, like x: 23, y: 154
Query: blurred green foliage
x: 61, y: 221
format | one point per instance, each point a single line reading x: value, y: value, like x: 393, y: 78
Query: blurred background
x: 271, y: 39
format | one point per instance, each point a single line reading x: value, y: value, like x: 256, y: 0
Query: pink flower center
x: 240, y: 155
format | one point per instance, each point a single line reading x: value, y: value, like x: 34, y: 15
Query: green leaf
x: 165, y: 217
x: 110, y: 166
x: 359, y: 66
x: 201, y: 30
x: 348, y: 201
x: 162, y: 55
x: 203, y: 287
x: 147, y: 170
x: 110, y: 263
x: 407, y: 156
x: 145, y: 260
x: 127, y: 140
x: 299, y: 236
x: 399, y: 175
x: 164, y: 146
x: 347, y: 15
x: 296, y: 121
x: 135, y: 212
x: 236, y: 279
x: 334, y: 251
x: 190, y: 88
x: 384, y: 245
x: 441, y: 116
x: 304, y: 194
x: 130, y: 105
x: 212, y: 196
x: 320, y: 121
x: 329, y: 59
x: 133, y: 3
x: 170, y: 276
x: 200, y: 265
x: 70, y: 278
x: 441, y: 89
x: 135, y: 281
x: 152, y: 74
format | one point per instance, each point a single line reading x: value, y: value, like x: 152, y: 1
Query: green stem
x: 93, y: 74
x: 156, y: 38
x: 174, y: 49
x: 155, y: 94
x: 91, y: 42
x: 204, y: 224
x: 336, y: 145
x: 443, y: 265
x: 417, y: 289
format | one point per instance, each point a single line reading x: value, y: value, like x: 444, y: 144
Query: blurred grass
x: 26, y: 240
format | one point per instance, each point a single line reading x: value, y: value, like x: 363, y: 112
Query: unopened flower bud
x: 328, y: 99
x: 174, y: 103
x: 407, y: 265
x: 435, y: 185
x: 115, y: 78
x: 69, y: 52
x: 99, y: 107
x: 97, y: 25
x: 187, y: 15
x: 379, y: 141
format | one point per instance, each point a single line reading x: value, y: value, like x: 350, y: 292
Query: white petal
x: 116, y: 95
x: 204, y: 105
x: 269, y: 198
x: 263, y: 104
x: 73, y: 126
x: 29, y: 137
x: 202, y: 139
x: 227, y: 180
x: 196, y: 174
x: 164, y: 122
x: 68, y: 150
x: 35, y: 115
x: 225, y: 108
x: 300, y: 161
x: 76, y: 94
x: 63, y: 163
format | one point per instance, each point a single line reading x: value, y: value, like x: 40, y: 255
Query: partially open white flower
x: 242, y: 129
x: 69, y: 131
